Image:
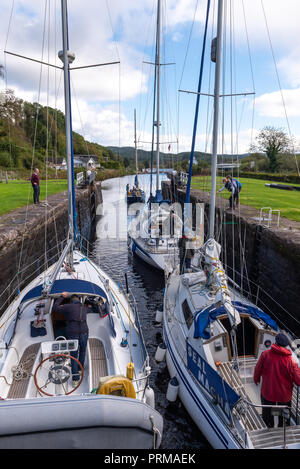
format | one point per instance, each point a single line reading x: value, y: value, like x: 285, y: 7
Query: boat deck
x: 97, y: 366
x: 260, y: 435
x: 98, y: 361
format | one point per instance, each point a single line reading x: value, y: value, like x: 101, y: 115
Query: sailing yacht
x: 135, y: 194
x: 151, y: 245
x: 214, y: 337
x: 112, y: 405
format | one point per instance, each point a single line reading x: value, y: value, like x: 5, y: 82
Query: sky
x: 260, y: 51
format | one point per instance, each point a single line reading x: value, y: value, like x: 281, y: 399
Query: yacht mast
x: 67, y: 58
x: 216, y: 120
x: 135, y: 145
x: 158, y: 94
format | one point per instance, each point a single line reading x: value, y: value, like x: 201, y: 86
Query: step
x: 274, y: 437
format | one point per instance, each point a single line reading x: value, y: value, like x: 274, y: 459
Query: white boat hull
x: 81, y: 419
x: 200, y: 410
x: 81, y: 422
x: 155, y: 260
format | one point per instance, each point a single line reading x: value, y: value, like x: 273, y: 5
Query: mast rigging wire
x: 279, y: 83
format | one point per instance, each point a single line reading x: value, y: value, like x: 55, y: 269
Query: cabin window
x: 188, y: 315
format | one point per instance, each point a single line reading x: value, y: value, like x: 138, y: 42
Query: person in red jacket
x: 279, y: 372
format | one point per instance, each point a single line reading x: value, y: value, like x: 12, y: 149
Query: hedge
x: 291, y: 178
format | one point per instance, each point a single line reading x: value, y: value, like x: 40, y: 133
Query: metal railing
x: 266, y: 215
x: 26, y: 274
x: 276, y: 410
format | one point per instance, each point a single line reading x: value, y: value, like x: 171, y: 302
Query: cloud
x: 289, y: 67
x: 177, y: 36
x: 179, y: 12
x: 271, y: 104
x: 113, y: 30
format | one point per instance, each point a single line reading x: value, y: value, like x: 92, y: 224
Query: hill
x: 178, y: 161
x: 251, y: 162
x: 24, y: 128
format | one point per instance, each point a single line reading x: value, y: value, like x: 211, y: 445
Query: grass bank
x: 16, y: 194
x: 256, y: 194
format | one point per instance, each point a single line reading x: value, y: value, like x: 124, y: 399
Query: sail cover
x: 68, y: 285
x: 204, y: 317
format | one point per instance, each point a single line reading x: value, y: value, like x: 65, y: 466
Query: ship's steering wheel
x: 57, y: 373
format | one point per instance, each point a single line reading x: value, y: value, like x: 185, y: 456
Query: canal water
x: 110, y: 251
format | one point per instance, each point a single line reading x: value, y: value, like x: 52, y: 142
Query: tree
x: 126, y: 162
x: 273, y: 141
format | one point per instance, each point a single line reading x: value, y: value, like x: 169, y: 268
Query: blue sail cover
x: 204, y: 317
x: 68, y: 285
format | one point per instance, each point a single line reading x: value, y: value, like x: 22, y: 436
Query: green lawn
x: 255, y: 194
x: 16, y: 194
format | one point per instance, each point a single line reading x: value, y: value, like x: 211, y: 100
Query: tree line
x: 33, y: 135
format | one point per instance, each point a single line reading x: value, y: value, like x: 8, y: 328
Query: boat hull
x: 154, y: 260
x: 195, y: 402
x: 81, y: 422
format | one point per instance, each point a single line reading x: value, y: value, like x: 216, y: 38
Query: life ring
x: 117, y: 386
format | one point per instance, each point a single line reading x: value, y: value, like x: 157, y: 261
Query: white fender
x: 173, y: 388
x: 150, y: 398
x: 158, y: 316
x: 160, y: 353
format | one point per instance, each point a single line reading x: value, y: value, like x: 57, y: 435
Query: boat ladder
x: 251, y: 419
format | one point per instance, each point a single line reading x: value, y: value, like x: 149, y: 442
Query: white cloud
x: 289, y: 67
x: 177, y: 36
x: 271, y: 104
x: 100, y: 35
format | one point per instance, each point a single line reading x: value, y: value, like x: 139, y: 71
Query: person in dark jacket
x: 35, y: 182
x: 186, y: 253
x: 75, y: 314
x: 279, y: 372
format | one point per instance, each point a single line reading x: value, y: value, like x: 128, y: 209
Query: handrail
x: 279, y: 407
x: 16, y: 289
x: 21, y: 271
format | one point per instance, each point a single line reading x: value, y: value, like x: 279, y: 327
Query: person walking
x: 75, y: 314
x: 35, y: 181
x: 279, y: 372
